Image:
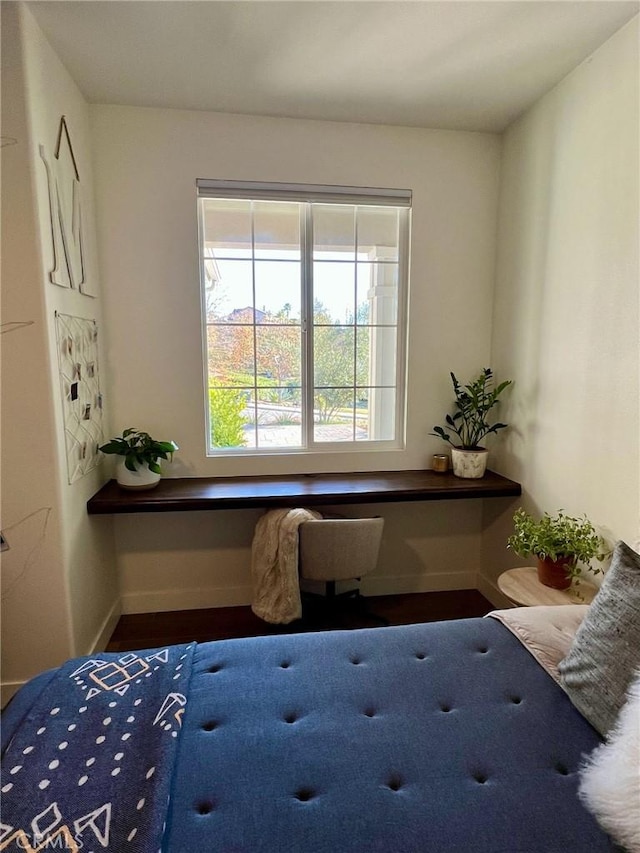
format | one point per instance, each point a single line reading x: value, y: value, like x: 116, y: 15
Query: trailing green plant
x: 557, y: 537
x: 472, y: 405
x: 226, y: 407
x: 138, y: 448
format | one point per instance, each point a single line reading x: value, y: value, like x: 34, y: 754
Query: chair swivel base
x: 335, y: 604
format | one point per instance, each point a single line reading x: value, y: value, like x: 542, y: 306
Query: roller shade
x: 263, y: 191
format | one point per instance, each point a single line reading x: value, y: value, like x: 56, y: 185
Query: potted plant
x: 139, y: 467
x: 468, y: 425
x: 560, y: 542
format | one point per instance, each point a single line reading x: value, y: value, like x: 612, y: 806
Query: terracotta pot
x: 555, y: 574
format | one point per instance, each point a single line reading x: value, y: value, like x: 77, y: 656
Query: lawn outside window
x: 304, y: 294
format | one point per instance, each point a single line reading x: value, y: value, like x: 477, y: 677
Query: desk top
x: 207, y: 493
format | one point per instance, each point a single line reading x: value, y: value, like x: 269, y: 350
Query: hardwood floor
x: 149, y: 630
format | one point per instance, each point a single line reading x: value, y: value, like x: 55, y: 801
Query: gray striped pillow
x: 606, y: 649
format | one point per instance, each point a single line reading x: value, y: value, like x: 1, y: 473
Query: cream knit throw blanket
x: 274, y: 565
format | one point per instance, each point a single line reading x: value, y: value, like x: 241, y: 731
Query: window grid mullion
x: 255, y: 334
x: 307, y: 393
x: 355, y: 318
x: 205, y: 334
x: 401, y: 321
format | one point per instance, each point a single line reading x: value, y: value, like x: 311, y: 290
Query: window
x: 304, y: 292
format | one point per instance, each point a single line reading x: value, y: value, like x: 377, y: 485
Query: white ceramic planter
x: 141, y: 478
x: 469, y: 464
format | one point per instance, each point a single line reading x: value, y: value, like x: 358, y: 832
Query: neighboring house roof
x: 246, y: 315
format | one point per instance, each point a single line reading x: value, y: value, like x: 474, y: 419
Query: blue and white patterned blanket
x: 90, y: 766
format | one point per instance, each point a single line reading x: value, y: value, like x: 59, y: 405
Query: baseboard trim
x: 401, y: 584
x: 488, y: 588
x: 108, y: 627
x: 162, y: 601
x: 10, y: 688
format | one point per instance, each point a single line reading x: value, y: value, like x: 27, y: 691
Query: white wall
x: 146, y: 164
x: 565, y: 321
x: 35, y: 609
x: 89, y: 544
x: 195, y: 560
x: 60, y: 592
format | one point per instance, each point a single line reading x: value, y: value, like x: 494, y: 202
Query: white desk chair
x: 336, y: 549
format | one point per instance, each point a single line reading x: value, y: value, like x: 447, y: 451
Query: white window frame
x: 310, y: 193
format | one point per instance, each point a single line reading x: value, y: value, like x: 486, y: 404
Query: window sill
x: 211, y: 493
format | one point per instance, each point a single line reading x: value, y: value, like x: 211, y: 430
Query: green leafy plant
x: 557, y: 537
x: 138, y: 448
x: 285, y: 419
x: 226, y: 406
x: 472, y: 405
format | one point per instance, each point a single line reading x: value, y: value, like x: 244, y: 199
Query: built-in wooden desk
x: 207, y: 493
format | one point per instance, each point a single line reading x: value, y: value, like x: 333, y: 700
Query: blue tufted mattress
x: 427, y: 738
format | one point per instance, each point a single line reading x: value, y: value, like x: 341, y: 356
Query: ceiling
x: 452, y: 64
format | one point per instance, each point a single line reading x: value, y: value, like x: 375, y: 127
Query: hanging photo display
x: 77, y: 341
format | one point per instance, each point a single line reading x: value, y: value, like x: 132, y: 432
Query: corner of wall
x: 565, y: 324
x: 35, y: 608
x: 59, y: 573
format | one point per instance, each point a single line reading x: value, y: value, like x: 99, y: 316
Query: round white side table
x: 521, y: 586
